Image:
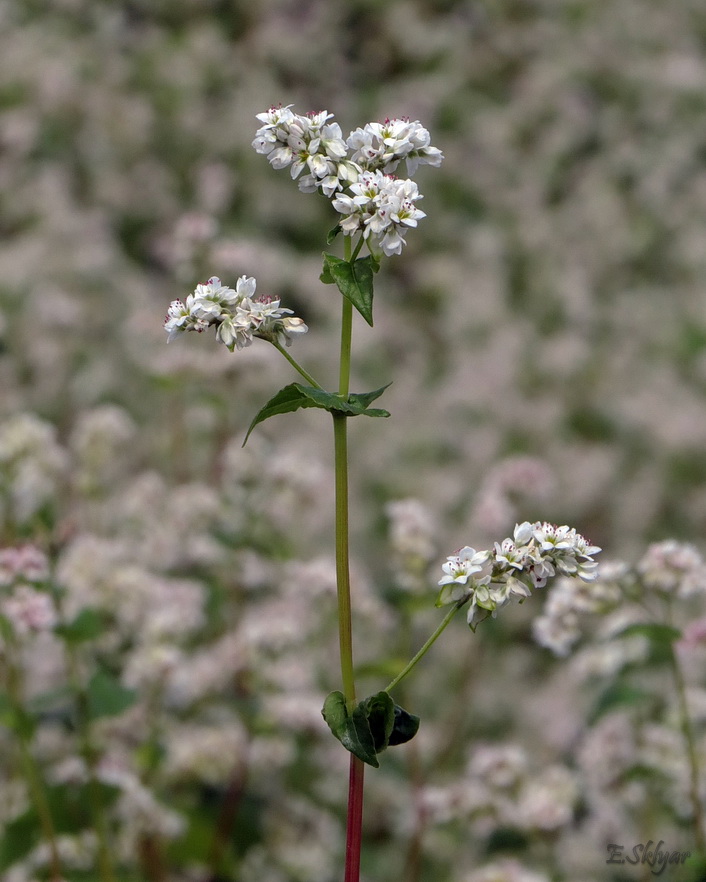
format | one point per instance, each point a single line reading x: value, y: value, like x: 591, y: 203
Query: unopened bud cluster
x: 237, y: 315
x: 535, y: 553
x: 355, y: 173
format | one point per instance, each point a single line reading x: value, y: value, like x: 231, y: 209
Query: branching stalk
x: 297, y: 367
x: 427, y: 646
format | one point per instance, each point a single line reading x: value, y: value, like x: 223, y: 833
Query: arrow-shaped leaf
x: 354, y: 280
x: 352, y: 730
x: 363, y: 399
x: 289, y: 399
x: 295, y: 396
x: 373, y: 725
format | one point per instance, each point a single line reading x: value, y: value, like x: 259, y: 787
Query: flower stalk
x: 427, y: 646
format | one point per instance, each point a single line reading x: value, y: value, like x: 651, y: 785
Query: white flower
x: 214, y: 291
x: 234, y: 331
x: 536, y: 553
x: 179, y: 319
x: 382, y: 146
x: 460, y: 567
x: 381, y: 206
x: 319, y: 158
x: 235, y: 313
x: 508, y: 555
x: 288, y: 327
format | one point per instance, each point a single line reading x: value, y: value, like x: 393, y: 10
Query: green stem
x: 29, y: 767
x: 688, y: 732
x: 295, y: 364
x: 345, y: 635
x: 427, y: 646
x: 89, y: 753
x: 357, y: 249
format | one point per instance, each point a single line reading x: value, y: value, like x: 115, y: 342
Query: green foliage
x: 354, y: 279
x: 296, y: 396
x: 619, y: 694
x: 373, y: 725
x: 88, y: 624
x: 19, y: 838
x: 107, y: 697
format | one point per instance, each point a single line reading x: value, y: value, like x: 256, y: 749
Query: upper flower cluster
x: 236, y: 313
x: 377, y: 204
x: 535, y: 553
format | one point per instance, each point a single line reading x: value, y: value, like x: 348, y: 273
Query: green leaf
x: 352, y: 730
x: 361, y: 401
x: 354, y: 280
x: 654, y: 631
x: 332, y: 234
x: 373, y: 725
x: 287, y: 400
x: 19, y: 838
x: 380, y: 713
x: 618, y: 694
x: 405, y: 726
x: 88, y: 624
x: 107, y: 697
x: 295, y: 396
x: 70, y: 804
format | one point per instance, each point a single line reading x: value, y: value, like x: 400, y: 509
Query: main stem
x: 345, y: 632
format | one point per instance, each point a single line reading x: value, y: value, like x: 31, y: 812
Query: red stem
x: 355, y: 820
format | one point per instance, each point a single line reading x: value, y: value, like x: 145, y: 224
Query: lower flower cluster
x: 237, y: 315
x: 489, y: 579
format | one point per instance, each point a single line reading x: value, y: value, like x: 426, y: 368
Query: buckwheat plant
x: 376, y: 209
x: 636, y: 639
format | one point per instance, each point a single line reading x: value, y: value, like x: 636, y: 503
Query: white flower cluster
x: 378, y: 204
x: 535, y: 553
x: 237, y: 314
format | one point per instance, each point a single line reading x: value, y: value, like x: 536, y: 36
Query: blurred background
x: 544, y: 330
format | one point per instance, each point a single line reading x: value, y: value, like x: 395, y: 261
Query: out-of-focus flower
x: 23, y: 562
x: 411, y: 540
x: 673, y: 568
x: 28, y: 610
x: 505, y: 871
x: 31, y: 462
